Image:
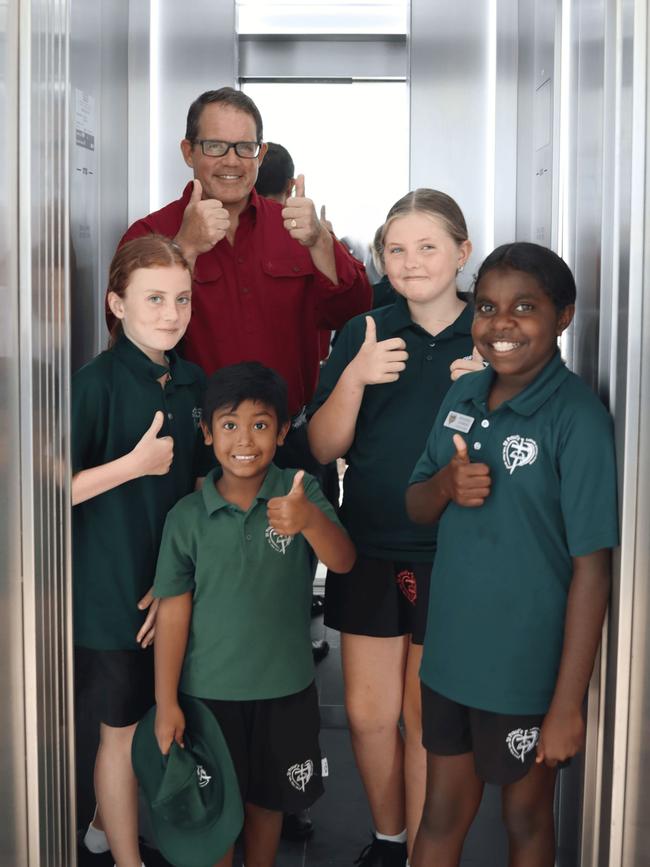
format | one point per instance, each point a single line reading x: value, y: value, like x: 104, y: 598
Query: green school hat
x: 192, y: 794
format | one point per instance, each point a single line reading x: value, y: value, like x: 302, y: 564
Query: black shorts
x: 118, y: 683
x: 380, y: 598
x: 503, y: 744
x: 274, y: 747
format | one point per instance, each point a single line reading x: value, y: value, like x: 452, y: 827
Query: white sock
x: 396, y: 838
x: 95, y: 840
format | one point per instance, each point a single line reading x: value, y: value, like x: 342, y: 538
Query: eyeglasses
x: 247, y: 150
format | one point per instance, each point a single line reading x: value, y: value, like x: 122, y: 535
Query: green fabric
x: 392, y: 427
x: 250, y: 631
x: 116, y: 535
x: 502, y: 571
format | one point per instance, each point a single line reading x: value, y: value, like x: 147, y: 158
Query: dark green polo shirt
x: 250, y: 631
x: 116, y: 535
x: 502, y: 571
x: 392, y: 427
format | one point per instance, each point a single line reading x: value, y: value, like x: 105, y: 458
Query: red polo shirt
x: 262, y: 299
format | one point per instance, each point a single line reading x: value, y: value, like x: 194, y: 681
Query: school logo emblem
x: 299, y: 775
x: 203, y: 777
x: 518, y: 451
x: 521, y: 741
x: 277, y: 541
x: 196, y: 416
x: 407, y: 584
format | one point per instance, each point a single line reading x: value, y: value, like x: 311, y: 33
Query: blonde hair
x: 431, y: 203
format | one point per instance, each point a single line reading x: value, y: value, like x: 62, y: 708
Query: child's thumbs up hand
x: 378, y: 362
x: 469, y: 364
x: 290, y: 514
x: 153, y: 455
x: 469, y: 484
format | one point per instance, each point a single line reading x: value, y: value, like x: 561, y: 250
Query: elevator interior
x: 533, y: 114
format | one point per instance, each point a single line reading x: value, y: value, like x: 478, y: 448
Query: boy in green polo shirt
x: 234, y: 579
x: 526, y: 503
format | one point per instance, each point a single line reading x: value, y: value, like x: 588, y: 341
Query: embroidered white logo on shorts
x: 522, y: 741
x: 204, y: 778
x: 277, y: 541
x: 518, y: 451
x: 299, y: 775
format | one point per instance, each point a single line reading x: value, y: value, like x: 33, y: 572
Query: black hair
x: 248, y: 380
x: 277, y: 168
x: 551, y: 272
x: 228, y: 96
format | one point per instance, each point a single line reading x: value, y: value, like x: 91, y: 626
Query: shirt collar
x: 528, y: 401
x: 399, y: 318
x: 137, y: 361
x: 272, y: 486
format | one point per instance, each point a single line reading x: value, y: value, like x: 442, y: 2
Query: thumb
x: 461, y: 448
x: 476, y: 355
x: 299, y: 189
x: 296, y: 487
x: 371, y: 331
x: 323, y: 216
x: 156, y: 424
x: 197, y: 192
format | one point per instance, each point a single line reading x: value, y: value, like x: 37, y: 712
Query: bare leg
x: 373, y: 674
x: 415, y: 756
x: 116, y: 790
x: 453, y: 797
x: 528, y: 816
x: 261, y: 836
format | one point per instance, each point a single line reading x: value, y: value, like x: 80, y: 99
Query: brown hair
x: 432, y: 203
x: 228, y: 96
x: 150, y: 251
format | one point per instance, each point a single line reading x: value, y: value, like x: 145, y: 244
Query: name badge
x: 458, y: 421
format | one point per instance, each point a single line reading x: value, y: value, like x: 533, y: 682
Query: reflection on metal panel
x: 44, y: 389
x: 13, y: 827
x: 195, y: 52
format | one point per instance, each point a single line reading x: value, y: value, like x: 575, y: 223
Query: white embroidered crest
x: 204, y: 778
x: 521, y: 741
x: 518, y: 451
x: 277, y: 541
x: 299, y: 775
x: 196, y: 417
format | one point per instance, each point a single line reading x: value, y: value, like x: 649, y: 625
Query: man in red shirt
x: 267, y: 277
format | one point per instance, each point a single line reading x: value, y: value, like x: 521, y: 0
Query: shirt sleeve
x: 346, y: 347
x: 337, y: 303
x: 588, y: 490
x: 89, y: 412
x: 176, y: 558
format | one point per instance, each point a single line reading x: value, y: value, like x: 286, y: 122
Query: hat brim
x: 196, y: 847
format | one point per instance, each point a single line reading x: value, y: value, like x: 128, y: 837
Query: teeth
x: 504, y: 346
x: 229, y: 177
x: 244, y: 457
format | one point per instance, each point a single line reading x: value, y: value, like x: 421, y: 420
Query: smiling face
x: 228, y: 178
x: 245, y: 439
x: 516, y: 324
x: 422, y: 259
x: 155, y: 309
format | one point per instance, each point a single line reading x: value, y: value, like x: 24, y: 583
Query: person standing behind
x: 136, y: 450
x: 266, y: 277
x: 375, y: 404
x: 275, y: 178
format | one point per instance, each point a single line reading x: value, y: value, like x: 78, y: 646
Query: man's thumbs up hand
x: 290, y: 514
x: 300, y: 218
x: 377, y: 362
x: 205, y: 223
x: 469, y: 484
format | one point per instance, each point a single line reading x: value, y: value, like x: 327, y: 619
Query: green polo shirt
x: 392, y: 427
x: 116, y: 535
x: 502, y: 571
x: 251, y: 588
